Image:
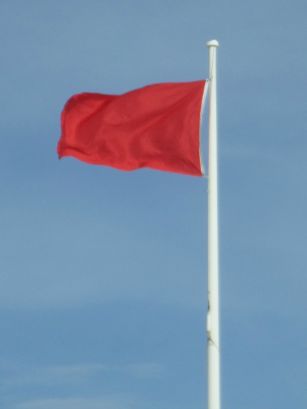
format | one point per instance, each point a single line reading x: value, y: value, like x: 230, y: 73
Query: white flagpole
x: 214, y: 397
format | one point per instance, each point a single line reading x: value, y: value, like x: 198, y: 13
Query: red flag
x: 157, y: 126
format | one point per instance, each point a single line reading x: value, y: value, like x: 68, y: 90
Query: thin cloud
x: 78, y: 373
x: 75, y: 403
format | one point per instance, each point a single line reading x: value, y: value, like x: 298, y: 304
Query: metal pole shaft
x: 214, y: 399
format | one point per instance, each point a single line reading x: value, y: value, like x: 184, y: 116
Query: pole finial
x: 212, y: 43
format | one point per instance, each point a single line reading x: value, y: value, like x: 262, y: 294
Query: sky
x: 103, y: 273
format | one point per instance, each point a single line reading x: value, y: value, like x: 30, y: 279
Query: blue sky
x: 103, y: 273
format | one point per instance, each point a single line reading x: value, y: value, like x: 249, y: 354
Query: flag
x: 157, y: 126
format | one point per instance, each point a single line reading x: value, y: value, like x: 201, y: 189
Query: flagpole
x: 214, y: 395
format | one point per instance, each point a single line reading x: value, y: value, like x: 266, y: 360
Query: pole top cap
x: 212, y: 43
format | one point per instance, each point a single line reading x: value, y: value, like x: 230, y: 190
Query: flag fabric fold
x: 157, y: 126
